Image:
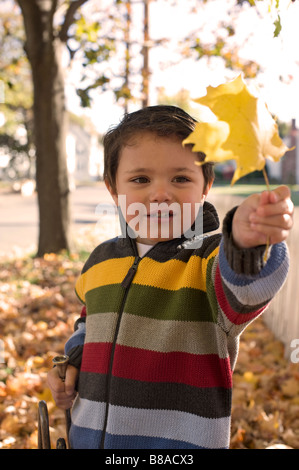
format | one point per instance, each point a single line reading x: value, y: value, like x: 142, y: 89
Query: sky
x: 277, y: 85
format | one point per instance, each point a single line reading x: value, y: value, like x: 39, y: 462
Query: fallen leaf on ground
x: 37, y: 314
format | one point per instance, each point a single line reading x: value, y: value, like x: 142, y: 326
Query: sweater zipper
x: 126, y: 283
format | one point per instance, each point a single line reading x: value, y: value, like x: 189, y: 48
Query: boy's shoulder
x: 112, y: 248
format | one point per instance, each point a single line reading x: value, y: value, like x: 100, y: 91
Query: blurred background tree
x: 16, y: 131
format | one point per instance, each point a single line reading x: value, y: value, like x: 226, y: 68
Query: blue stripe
x: 143, y: 442
x: 84, y: 438
x: 278, y: 256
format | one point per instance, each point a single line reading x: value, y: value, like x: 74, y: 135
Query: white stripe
x: 88, y: 414
x: 169, y: 424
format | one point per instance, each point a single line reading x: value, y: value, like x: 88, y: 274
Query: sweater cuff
x: 248, y: 261
x: 75, y: 356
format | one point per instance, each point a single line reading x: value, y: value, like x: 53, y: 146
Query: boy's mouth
x: 161, y: 215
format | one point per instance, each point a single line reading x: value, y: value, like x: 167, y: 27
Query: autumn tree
x: 48, y: 29
x: 44, y: 46
x: 51, y: 28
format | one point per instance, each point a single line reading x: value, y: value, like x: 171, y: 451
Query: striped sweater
x: 160, y: 339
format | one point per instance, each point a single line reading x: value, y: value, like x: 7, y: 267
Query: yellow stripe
x: 170, y: 275
x: 174, y: 274
x: 111, y: 271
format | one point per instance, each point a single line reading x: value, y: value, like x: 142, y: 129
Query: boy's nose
x: 160, y: 193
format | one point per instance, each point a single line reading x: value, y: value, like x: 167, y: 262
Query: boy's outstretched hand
x: 263, y: 217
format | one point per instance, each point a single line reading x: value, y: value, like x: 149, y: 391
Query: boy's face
x: 159, y: 175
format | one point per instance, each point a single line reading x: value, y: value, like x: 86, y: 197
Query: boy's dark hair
x: 161, y: 120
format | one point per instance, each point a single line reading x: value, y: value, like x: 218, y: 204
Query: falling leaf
x: 244, y: 130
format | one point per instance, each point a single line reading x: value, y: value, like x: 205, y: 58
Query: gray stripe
x: 239, y: 307
x: 159, y: 335
x: 100, y: 327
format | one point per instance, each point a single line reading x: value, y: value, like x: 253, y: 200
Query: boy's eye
x: 140, y: 180
x: 181, y: 179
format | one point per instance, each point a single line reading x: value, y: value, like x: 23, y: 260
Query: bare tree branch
x: 69, y: 18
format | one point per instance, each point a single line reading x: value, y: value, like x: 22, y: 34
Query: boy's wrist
x: 247, y: 261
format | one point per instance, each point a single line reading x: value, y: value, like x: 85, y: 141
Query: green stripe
x: 185, y: 304
x: 211, y: 294
x: 105, y: 299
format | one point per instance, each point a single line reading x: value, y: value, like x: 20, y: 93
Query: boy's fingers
x: 264, y: 198
x: 64, y: 401
x: 271, y: 234
x: 276, y: 202
x: 55, y: 382
x: 281, y: 220
x: 272, y: 197
x: 282, y: 207
x: 282, y: 192
x: 70, y: 380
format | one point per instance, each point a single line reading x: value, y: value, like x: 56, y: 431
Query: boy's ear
x: 207, y: 189
x: 111, y: 191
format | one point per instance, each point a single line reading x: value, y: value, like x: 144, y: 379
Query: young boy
x: 155, y: 347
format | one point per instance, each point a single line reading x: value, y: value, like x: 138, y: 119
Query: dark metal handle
x: 43, y: 426
x: 61, y: 362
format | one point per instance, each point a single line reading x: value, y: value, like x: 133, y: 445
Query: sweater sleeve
x: 244, y: 283
x: 74, y: 345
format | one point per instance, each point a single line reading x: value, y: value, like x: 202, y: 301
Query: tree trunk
x: 51, y: 165
x: 128, y: 55
x: 145, y: 53
x: 43, y: 52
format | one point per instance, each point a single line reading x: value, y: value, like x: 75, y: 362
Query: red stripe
x: 96, y: 357
x: 206, y: 370
x: 235, y: 317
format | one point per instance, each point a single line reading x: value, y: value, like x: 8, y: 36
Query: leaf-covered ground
x: 38, y: 308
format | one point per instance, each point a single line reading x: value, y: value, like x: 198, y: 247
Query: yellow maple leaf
x: 244, y: 130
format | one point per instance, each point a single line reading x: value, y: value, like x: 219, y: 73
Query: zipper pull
x: 130, y: 274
